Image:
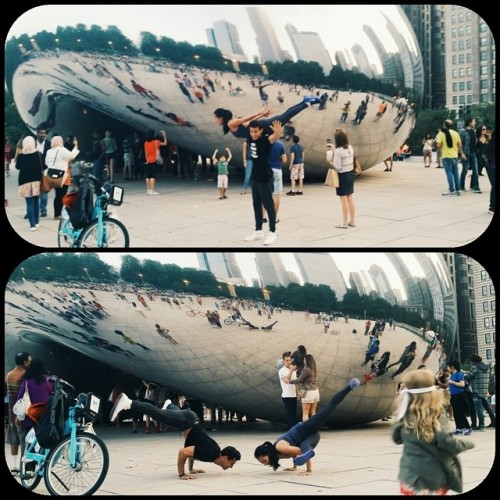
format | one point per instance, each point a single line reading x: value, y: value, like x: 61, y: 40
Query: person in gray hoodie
x: 478, y: 378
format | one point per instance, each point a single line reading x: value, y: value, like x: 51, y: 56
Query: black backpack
x: 50, y: 428
x: 80, y: 213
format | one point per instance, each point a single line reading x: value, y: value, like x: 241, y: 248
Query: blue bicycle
x: 103, y: 230
x: 78, y: 463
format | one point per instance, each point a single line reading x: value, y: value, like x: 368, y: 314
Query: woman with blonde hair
x: 429, y: 464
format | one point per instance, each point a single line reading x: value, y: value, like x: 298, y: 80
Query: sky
x: 346, y: 262
x: 338, y: 25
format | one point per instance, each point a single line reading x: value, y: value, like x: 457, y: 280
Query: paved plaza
x: 399, y: 209
x: 361, y: 461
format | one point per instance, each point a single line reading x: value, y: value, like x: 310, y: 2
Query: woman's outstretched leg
x: 289, y: 113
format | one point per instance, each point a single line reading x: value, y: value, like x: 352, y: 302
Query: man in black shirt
x: 198, y: 445
x: 262, y: 178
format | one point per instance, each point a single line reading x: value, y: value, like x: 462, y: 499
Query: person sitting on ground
x: 198, y: 445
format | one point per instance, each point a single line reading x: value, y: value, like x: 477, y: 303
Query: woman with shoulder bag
x: 343, y: 163
x: 30, y: 166
x: 58, y: 161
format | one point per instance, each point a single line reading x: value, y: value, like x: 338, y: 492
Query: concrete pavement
x: 399, y: 209
x: 360, y: 461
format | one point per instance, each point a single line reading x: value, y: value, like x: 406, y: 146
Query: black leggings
x: 285, y: 117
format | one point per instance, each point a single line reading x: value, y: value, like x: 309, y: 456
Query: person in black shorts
x: 198, y: 445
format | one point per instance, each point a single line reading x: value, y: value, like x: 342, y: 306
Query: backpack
x: 81, y: 205
x: 50, y: 427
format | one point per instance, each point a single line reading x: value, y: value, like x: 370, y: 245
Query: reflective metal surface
x: 73, y: 93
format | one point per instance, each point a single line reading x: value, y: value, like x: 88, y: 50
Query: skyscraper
x: 382, y: 284
x: 222, y: 264
x: 271, y: 269
x: 224, y: 36
x: 308, y: 46
x: 265, y: 36
x: 319, y: 268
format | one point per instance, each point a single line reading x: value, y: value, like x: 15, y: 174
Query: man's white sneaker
x: 154, y: 193
x: 122, y: 403
x: 271, y: 238
x: 258, y: 235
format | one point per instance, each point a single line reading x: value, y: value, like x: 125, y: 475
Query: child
x: 429, y: 464
x: 222, y: 172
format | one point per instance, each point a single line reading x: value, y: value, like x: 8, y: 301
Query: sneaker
x: 148, y: 192
x: 122, y: 403
x: 34, y: 228
x: 481, y: 428
x: 166, y: 403
x: 458, y: 432
x: 302, y: 459
x: 354, y: 383
x: 244, y: 191
x: 458, y: 193
x: 15, y: 471
x: 491, y: 211
x: 154, y: 193
x: 271, y: 238
x: 264, y: 220
x: 43, y: 214
x: 300, y: 193
x: 449, y: 193
x: 311, y: 99
x: 467, y: 432
x: 257, y: 235
x: 477, y: 191
x: 291, y: 193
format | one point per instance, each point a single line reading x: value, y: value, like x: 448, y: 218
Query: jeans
x: 172, y: 416
x: 481, y: 405
x: 490, y: 170
x: 470, y: 163
x: 32, y: 210
x: 248, y: 173
x: 306, y: 434
x: 290, y: 405
x: 451, y: 171
x: 98, y: 169
x: 44, y: 199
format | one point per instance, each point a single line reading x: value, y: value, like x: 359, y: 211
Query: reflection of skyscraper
x: 362, y: 62
x: 382, y: 284
x: 222, y: 265
x: 308, y: 46
x: 267, y: 41
x: 271, y: 269
x: 319, y: 268
x: 224, y: 36
x: 356, y: 282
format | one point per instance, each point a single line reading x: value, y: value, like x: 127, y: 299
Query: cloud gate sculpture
x: 76, y: 92
x: 166, y: 339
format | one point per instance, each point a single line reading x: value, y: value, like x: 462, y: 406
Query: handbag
x: 20, y: 409
x: 357, y: 166
x: 332, y: 178
x: 45, y: 185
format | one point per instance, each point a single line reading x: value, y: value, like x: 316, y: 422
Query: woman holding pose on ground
x: 299, y: 442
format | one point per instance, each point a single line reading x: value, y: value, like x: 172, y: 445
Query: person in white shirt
x: 288, y: 391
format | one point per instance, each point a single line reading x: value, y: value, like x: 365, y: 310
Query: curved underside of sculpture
x: 233, y: 366
x: 77, y: 93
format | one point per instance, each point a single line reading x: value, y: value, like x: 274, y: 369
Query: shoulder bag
x: 332, y: 178
x: 357, y: 166
x: 20, y: 409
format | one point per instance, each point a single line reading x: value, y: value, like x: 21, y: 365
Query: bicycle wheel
x: 202, y: 314
x: 191, y: 314
x: 64, y: 234
x: 89, y: 473
x: 28, y: 475
x: 114, y: 235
